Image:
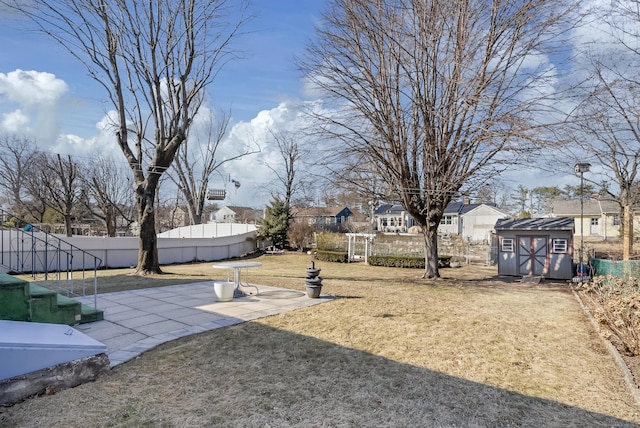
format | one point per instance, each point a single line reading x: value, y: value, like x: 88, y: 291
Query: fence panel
x: 618, y: 268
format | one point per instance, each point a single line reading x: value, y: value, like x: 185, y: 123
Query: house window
x: 559, y: 245
x: 507, y: 245
x: 595, y: 221
x: 448, y: 219
x: 615, y: 220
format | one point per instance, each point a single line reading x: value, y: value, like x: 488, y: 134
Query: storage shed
x: 535, y: 247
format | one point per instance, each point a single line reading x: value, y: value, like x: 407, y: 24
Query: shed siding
x: 558, y: 265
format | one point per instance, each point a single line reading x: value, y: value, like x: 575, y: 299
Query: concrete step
x: 24, y: 301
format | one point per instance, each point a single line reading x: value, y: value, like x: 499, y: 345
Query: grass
x: 469, y: 349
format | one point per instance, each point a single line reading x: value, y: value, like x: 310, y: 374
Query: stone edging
x: 626, y: 373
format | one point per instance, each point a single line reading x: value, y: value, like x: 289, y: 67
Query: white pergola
x: 368, y: 241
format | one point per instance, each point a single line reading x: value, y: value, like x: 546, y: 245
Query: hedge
x: 406, y: 262
x: 332, y: 256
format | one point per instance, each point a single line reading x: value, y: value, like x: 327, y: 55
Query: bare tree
x: 61, y: 179
x: 16, y: 155
x: 109, y: 195
x: 38, y: 197
x: 285, y: 172
x: 607, y: 130
x: 434, y: 93
x: 155, y: 60
x: 605, y: 125
x: 195, y: 162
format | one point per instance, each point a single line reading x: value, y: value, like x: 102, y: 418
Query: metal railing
x: 26, y: 249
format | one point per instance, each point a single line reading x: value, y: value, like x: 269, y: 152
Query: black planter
x: 314, y: 282
x: 313, y: 291
x: 312, y: 273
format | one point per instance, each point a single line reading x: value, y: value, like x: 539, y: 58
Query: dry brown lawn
x: 390, y: 350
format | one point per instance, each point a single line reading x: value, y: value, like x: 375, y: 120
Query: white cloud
x: 14, y: 122
x: 104, y: 142
x: 32, y: 88
x: 38, y: 96
x: 252, y: 171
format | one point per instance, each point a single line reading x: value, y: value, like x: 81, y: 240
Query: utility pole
x: 581, y: 168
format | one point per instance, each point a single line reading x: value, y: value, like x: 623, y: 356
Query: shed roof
x: 558, y: 223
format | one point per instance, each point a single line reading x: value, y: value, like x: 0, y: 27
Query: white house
x: 594, y: 218
x: 392, y: 218
x: 474, y: 222
x: 478, y: 223
x: 232, y: 214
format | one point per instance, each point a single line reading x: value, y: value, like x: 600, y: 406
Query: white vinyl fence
x: 208, y: 243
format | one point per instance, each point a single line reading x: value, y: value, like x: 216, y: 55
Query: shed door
x: 532, y: 255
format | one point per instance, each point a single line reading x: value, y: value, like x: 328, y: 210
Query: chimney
x: 466, y: 201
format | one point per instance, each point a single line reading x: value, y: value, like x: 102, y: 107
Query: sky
x: 46, y: 94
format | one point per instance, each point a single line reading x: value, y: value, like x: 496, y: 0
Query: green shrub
x: 332, y: 256
x: 397, y: 261
x: 406, y: 261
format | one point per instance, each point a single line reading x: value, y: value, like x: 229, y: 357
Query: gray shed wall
x: 556, y: 265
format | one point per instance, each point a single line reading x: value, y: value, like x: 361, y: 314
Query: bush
x: 616, y: 303
x: 397, y: 261
x: 332, y: 256
x: 300, y: 235
x: 327, y: 241
x: 405, y: 261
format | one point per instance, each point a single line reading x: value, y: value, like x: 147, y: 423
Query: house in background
x: 323, y: 218
x: 233, y: 214
x: 358, y: 221
x: 474, y: 222
x: 601, y: 219
x: 392, y: 218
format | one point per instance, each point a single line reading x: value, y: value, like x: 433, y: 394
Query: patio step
x: 24, y: 301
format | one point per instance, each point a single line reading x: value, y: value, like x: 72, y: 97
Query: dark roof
x: 453, y: 208
x: 387, y: 208
x: 462, y: 208
x: 558, y: 223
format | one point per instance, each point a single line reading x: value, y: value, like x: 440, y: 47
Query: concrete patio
x: 136, y: 321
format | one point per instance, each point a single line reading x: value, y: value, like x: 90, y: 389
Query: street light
x: 581, y: 168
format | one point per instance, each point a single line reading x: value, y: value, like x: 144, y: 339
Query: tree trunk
x: 67, y: 225
x: 430, y: 235
x: 110, y: 222
x: 147, y: 241
x: 195, y: 217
